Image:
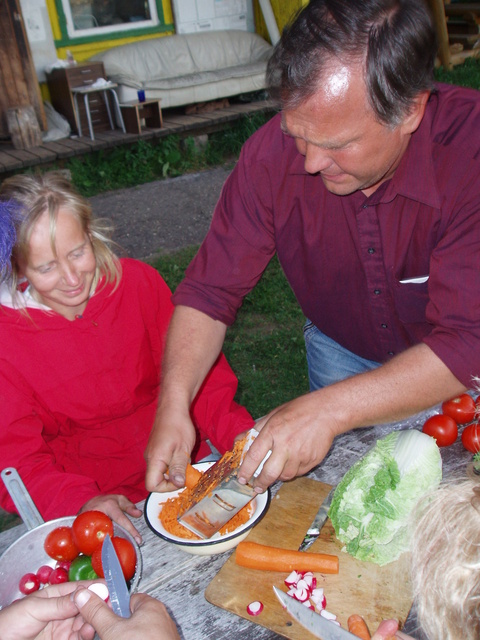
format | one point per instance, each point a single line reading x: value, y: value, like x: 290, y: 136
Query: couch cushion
x: 139, y: 63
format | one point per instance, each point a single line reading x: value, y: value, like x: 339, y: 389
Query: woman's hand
x: 149, y: 619
x: 116, y: 506
x: 46, y: 614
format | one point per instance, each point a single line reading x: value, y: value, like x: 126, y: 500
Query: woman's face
x: 62, y: 281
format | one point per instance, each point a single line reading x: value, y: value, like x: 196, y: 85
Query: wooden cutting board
x: 374, y: 592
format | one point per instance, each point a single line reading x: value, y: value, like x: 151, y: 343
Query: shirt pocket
x: 411, y: 298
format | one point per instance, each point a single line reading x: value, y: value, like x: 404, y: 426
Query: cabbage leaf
x: 372, y: 504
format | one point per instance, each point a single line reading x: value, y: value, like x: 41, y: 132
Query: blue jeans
x: 329, y: 362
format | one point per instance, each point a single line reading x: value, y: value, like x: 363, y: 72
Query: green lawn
x: 265, y: 345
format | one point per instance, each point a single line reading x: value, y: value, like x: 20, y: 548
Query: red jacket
x: 78, y: 398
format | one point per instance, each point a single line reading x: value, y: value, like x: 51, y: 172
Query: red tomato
x: 443, y: 428
x: 471, y: 437
x: 60, y: 545
x: 89, y: 530
x: 126, y: 554
x: 461, y: 408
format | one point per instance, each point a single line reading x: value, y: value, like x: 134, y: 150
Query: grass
x: 464, y: 75
x: 265, y: 345
x: 171, y: 156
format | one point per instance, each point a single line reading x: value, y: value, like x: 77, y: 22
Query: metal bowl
x: 27, y: 555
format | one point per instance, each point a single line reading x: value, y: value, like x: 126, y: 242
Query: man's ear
x: 412, y: 121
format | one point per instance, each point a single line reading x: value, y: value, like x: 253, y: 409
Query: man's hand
x: 149, y: 619
x: 300, y: 432
x: 297, y: 438
x: 168, y: 450
x: 194, y: 343
x: 46, y: 614
x: 116, y: 506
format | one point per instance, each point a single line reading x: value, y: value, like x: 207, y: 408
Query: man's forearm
x: 194, y: 342
x: 300, y: 432
x: 413, y: 381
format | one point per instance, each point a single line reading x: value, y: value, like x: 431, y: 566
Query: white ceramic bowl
x: 217, y: 543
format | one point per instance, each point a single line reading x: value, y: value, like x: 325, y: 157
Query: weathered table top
x: 179, y: 579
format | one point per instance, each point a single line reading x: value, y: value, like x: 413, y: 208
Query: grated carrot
x: 174, y: 507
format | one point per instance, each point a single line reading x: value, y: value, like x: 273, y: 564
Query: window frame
x: 112, y: 32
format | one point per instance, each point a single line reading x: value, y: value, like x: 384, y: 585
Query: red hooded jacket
x: 78, y: 399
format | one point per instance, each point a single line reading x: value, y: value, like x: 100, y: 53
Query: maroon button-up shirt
x: 376, y: 274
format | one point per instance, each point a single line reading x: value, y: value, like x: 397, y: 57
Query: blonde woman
x: 82, y: 336
x: 445, y: 564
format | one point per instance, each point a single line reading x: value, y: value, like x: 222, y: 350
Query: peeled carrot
x: 192, y: 476
x: 358, y: 626
x: 266, y: 558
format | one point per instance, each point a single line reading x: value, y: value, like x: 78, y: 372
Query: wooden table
x: 180, y: 579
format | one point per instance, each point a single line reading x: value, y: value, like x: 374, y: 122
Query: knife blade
x: 117, y: 587
x: 314, y: 529
x: 318, y: 626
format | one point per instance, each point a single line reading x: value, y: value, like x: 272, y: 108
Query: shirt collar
x: 415, y: 177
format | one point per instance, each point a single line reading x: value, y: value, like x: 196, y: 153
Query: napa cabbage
x: 373, y: 502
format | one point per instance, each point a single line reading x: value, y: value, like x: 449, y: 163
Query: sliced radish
x: 302, y: 584
x: 328, y: 615
x: 301, y: 594
x: 310, y: 579
x: 291, y: 592
x: 255, y: 608
x: 292, y: 579
x: 308, y: 604
x: 100, y: 590
x: 318, y: 598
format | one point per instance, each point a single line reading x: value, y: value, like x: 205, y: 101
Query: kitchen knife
x: 314, y: 529
x: 318, y: 626
x: 224, y: 500
x: 117, y: 587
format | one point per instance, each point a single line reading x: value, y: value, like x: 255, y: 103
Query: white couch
x: 189, y: 68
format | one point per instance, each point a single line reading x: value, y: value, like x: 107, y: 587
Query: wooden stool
x: 134, y: 112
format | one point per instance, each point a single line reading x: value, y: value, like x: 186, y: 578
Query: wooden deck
x: 174, y: 122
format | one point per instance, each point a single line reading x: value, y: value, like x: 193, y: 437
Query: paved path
x: 164, y: 215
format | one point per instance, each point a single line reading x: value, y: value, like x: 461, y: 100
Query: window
x: 84, y: 18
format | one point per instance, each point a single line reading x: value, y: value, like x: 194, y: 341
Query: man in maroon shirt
x: 366, y: 185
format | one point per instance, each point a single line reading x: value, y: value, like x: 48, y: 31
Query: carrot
x: 192, y: 476
x: 266, y: 558
x: 358, y: 626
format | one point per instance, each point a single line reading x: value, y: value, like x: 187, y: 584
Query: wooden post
x: 23, y: 127
x: 438, y: 12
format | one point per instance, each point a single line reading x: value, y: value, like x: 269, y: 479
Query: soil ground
x: 162, y: 216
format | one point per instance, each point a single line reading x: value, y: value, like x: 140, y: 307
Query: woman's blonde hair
x: 33, y: 195
x: 446, y: 561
